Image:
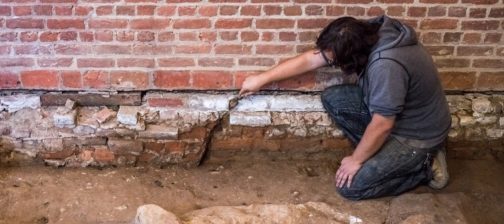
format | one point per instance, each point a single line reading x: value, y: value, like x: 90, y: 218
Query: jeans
x: 394, y: 169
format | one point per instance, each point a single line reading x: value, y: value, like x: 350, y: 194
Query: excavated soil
x: 38, y: 194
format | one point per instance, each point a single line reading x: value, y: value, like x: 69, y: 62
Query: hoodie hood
x: 392, y: 34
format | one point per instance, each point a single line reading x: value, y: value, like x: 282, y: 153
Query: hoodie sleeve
x: 388, y: 86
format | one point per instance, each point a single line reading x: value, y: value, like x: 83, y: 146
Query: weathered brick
x: 159, y: 132
x: 124, y: 147
x: 92, y: 99
x: 128, y: 115
x: 103, y: 155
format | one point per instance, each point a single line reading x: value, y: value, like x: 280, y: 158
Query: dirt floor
x: 37, y: 194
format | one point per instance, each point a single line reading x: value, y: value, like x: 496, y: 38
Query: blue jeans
x: 394, y: 169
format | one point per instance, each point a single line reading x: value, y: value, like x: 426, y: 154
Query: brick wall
x: 214, y: 44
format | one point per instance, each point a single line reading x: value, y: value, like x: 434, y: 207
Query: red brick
x: 32, y: 49
x: 477, y: 13
x: 375, y: 11
x: 216, y: 62
x: 417, y: 11
x: 274, y: 23
x: 452, y: 37
x: 493, y: 38
x: 249, y: 36
x: 228, y: 35
x: 112, y: 49
x: 146, y: 10
x: 274, y: 49
x: 187, y: 10
x: 129, y: 79
x: 166, y: 36
x: 355, y: 11
x: 4, y: 50
x: 395, y: 1
x: 250, y: 10
x: 429, y: 24
x: 354, y: 1
x: 172, y: 79
x: 58, y: 1
x: 439, y: 1
x: 43, y: 79
x: 96, y: 79
x: 175, y: 147
x: 65, y: 23
x: 125, y: 10
x: 472, y: 38
x: 301, y: 82
x: 28, y: 36
x: 496, y: 13
x: 287, y: 36
x: 55, y: 62
x: 63, y: 10
x: 188, y: 36
x: 233, y: 49
x: 474, y: 51
x: 158, y: 24
x: 146, y: 36
x: 16, y: 62
x: 86, y: 36
x: 136, y: 62
x: 157, y: 147
x: 166, y: 10
x: 25, y: 23
x: 83, y: 10
x: 480, y: 25
x: 228, y: 10
x: 233, y: 23
x: 191, y: 49
x: 125, y: 36
x: 272, y: 10
x: 191, y: 24
x: 458, y: 80
x: 108, y: 23
x: 5, y: 10
x: 491, y: 81
x: 176, y: 62
x: 488, y: 63
x: 452, y: 63
x: 165, y: 102
x: 335, y: 10
x: 43, y: 10
x: 481, y: 2
x: 103, y: 155
x: 212, y: 80
x: 267, y: 36
x: 457, y: 11
x: 49, y: 36
x: 440, y: 50
x: 68, y: 35
x: 71, y: 79
x: 8, y: 80
x: 104, y: 10
x: 144, y: 49
x: 256, y: 62
x: 208, y: 11
x: 72, y: 49
x: 95, y: 62
x: 312, y: 23
x: 22, y: 10
x: 395, y: 10
x: 437, y: 11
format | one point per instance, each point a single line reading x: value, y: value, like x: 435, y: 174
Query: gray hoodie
x: 401, y: 80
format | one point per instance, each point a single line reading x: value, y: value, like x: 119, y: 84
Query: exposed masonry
x: 173, y: 128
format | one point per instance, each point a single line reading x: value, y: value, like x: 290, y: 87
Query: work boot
x: 440, y: 174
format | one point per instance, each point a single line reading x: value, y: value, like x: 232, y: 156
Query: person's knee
x: 350, y: 194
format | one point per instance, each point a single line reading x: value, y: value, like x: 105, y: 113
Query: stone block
x: 296, y: 103
x: 482, y: 105
x: 128, y: 115
x: 125, y: 147
x: 275, y: 133
x: 501, y: 121
x: 159, y: 132
x: 208, y: 102
x: 254, y: 119
x: 92, y: 99
x: 63, y: 119
x: 20, y: 131
x: 467, y: 121
x: 253, y: 103
x: 153, y: 214
x: 70, y: 104
x: 104, y: 115
x: 487, y: 120
x: 84, y: 130
x: 14, y: 103
x: 495, y: 133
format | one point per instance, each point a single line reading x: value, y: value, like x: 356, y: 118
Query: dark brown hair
x: 350, y: 41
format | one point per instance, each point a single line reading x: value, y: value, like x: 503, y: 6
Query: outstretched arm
x: 300, y: 64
